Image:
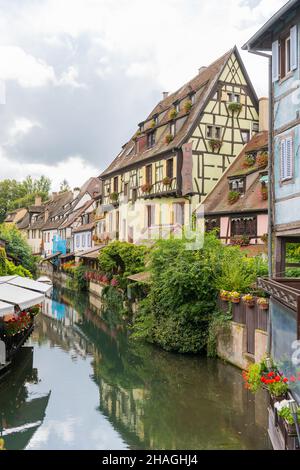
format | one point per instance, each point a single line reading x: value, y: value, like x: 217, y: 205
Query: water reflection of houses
x: 60, y: 324
x: 17, y: 429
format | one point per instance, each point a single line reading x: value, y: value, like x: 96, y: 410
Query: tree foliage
x: 7, y: 268
x: 17, y: 247
x: 14, y: 194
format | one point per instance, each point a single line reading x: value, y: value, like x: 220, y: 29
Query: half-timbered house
x: 179, y: 152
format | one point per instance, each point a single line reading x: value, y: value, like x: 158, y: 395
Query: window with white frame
x: 83, y: 240
x: 286, y: 158
x: 77, y: 241
x: 285, y: 54
x: 213, y: 132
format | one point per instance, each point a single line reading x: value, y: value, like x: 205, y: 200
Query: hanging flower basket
x: 152, y: 124
x: 262, y: 159
x: 167, y: 181
x: 146, y: 188
x: 114, y: 197
x: 249, y: 300
x: 169, y: 138
x: 188, y: 106
x: 235, y: 107
x: 225, y: 295
x: 249, y: 161
x: 233, y: 197
x: 173, y: 114
x: 215, y: 145
x: 235, y: 297
x: 264, y: 193
x: 263, y: 303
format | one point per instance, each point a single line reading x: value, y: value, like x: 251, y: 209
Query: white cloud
x: 75, y: 169
x: 28, y: 71
x: 69, y: 78
x: 21, y: 127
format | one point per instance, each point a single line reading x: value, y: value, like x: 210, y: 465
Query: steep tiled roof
x: 84, y: 228
x: 202, y: 85
x: 217, y: 201
x: 24, y: 223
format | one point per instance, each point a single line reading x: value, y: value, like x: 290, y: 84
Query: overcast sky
x: 81, y: 74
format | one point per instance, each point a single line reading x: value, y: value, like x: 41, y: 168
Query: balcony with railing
x: 163, y: 188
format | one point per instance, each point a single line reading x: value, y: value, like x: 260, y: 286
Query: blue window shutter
x: 294, y: 47
x: 275, y: 61
x: 289, y: 158
x: 283, y: 159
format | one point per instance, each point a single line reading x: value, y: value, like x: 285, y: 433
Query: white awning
x: 22, y: 292
x: 6, y: 309
x: 30, y: 284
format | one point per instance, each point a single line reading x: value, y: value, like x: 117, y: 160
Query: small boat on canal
x: 20, y: 301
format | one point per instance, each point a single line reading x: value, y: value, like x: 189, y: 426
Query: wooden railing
x: 254, y: 318
x: 285, y: 290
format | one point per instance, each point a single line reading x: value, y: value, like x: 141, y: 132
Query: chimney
x: 202, y: 69
x: 263, y: 114
x: 53, y: 196
x: 38, y: 201
x: 165, y: 94
x: 76, y: 192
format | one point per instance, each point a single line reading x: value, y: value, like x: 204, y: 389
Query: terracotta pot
x: 250, y: 304
x: 235, y: 301
x: 264, y: 307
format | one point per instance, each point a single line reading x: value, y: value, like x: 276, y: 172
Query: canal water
x: 81, y: 382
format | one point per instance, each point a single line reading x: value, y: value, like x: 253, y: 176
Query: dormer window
x: 155, y: 119
x: 237, y: 185
x: 150, y: 140
x: 177, y: 106
x: 141, y: 127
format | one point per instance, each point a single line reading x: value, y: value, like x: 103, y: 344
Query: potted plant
x: 249, y: 161
x: 264, y: 192
x: 114, y: 197
x: 264, y: 238
x: 284, y: 412
x: 215, y: 145
x: 235, y: 297
x: 276, y: 384
x: 173, y: 114
x: 225, y: 295
x: 152, y: 124
x: 188, y: 106
x: 235, y: 107
x: 248, y: 299
x: 233, y: 197
x: 262, y: 159
x: 167, y: 181
x: 263, y: 303
x: 169, y: 138
x: 146, y: 188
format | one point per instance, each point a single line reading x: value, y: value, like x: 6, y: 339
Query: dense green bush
x: 179, y: 313
x: 182, y: 298
x: 17, y: 247
x: 122, y: 259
